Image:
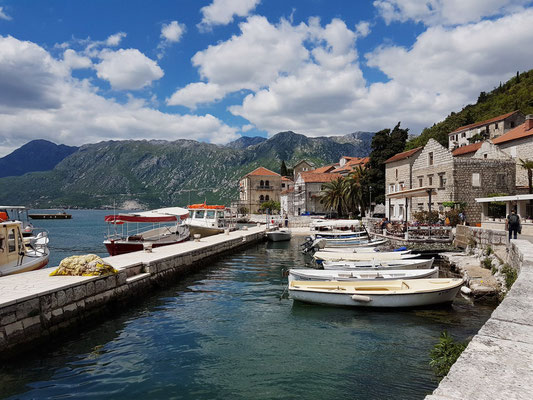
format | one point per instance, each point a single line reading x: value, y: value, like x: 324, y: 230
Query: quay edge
x: 36, y: 308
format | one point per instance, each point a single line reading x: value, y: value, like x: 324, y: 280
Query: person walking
x: 513, y: 224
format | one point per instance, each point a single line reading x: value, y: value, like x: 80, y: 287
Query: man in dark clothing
x: 513, y: 224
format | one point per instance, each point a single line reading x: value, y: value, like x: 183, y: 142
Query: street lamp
x: 370, y: 202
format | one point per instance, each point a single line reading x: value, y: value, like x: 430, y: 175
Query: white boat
x: 20, y: 254
x: 367, y: 250
x: 309, y: 274
x: 147, y: 229
x: 279, y: 235
x: 208, y: 220
x: 395, y: 293
x: 321, y: 256
x: 334, y: 224
x: 379, y: 264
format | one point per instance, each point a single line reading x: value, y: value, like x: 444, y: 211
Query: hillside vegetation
x: 515, y: 94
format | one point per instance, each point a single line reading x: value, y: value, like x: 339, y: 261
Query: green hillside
x: 515, y: 94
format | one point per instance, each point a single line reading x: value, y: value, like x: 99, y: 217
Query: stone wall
x: 397, y: 177
x: 26, y: 321
x: 519, y: 149
x: 474, y: 178
x: 468, y: 235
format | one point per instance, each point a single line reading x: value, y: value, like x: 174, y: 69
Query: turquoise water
x: 224, y: 333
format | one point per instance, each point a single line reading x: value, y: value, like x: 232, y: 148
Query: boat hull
x: 350, y: 275
x: 279, y: 236
x: 117, y: 247
x: 390, y: 299
x: 379, y: 265
x: 32, y: 264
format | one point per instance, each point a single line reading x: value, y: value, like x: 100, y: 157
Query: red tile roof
x: 324, y: 169
x: 486, y: 122
x: 517, y: 133
x: 469, y: 148
x: 261, y: 171
x: 405, y: 154
x: 352, y: 163
x: 312, y: 177
x: 285, y: 179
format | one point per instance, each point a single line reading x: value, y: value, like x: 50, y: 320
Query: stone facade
x: 257, y: 187
x: 519, y: 149
x: 398, y: 176
x: 490, y: 129
x: 308, y: 191
x: 302, y: 166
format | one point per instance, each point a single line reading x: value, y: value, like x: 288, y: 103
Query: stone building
x: 518, y: 143
x: 348, y: 164
x: 308, y: 190
x: 398, y: 177
x: 488, y: 129
x: 259, y: 186
x: 302, y: 166
x: 437, y: 176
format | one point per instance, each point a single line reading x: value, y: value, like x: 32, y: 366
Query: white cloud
x: 221, y: 12
x: 74, y: 61
x: 362, y: 29
x: 40, y: 99
x: 173, y: 31
x: 3, y: 15
x: 127, y: 69
x: 114, y: 40
x: 196, y: 93
x: 247, y: 128
x: 445, y: 12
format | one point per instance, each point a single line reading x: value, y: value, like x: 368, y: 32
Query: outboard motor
x: 307, y: 246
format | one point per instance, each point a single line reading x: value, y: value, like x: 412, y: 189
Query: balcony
x: 264, y: 187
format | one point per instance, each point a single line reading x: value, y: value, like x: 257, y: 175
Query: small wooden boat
x: 279, y: 235
x: 61, y: 215
x: 20, y: 254
x: 309, y: 274
x: 395, y: 293
x: 389, y: 255
x: 379, y: 264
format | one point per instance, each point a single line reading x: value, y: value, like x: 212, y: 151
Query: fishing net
x: 87, y: 265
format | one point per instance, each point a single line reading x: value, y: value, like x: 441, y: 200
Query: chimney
x: 529, y: 122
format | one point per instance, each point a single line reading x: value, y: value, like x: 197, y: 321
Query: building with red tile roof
x: 403, y: 155
x: 259, y: 186
x: 488, y: 129
x: 262, y: 171
x: 308, y: 191
x: 466, y: 150
x: 350, y: 164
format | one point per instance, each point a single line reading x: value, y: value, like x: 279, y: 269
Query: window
x: 430, y: 158
x: 11, y: 241
x: 420, y: 182
x: 463, y: 135
x: 261, y: 198
x: 430, y: 180
x: 267, y: 183
x: 501, y: 180
x: 442, y: 180
x: 485, y: 155
x: 512, y: 124
x: 476, y: 179
x: 261, y: 183
x: 513, y: 151
x: 402, y: 186
x: 282, y: 185
x: 396, y: 173
x: 210, y: 214
x: 199, y: 214
x: 220, y: 214
x: 267, y: 197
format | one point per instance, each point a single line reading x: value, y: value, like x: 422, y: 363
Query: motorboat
x: 371, y: 250
x: 18, y: 253
x: 207, y: 220
x: 309, y: 274
x: 415, y: 263
x: 279, y: 235
x: 313, y: 244
x: 390, y: 294
x: 146, y: 230
x: 385, y: 255
x: 335, y: 224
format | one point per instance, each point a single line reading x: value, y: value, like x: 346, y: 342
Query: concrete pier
x: 35, y: 306
x: 498, y: 362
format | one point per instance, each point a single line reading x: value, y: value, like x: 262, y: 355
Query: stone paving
x: 498, y: 362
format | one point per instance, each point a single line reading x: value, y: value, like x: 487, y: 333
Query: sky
x: 77, y: 71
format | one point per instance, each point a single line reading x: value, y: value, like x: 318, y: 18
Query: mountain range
x: 158, y: 173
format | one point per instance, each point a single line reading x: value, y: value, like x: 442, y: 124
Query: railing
x: 265, y: 187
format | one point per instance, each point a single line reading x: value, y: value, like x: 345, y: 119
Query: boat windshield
x: 210, y: 214
x: 199, y: 214
x: 220, y: 214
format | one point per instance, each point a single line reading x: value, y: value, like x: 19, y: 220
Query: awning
x: 169, y: 214
x: 516, y: 197
x: 418, y: 192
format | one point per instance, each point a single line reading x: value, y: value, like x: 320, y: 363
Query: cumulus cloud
x: 172, y: 32
x: 196, y: 93
x: 362, y: 29
x: 127, y: 69
x: 40, y: 99
x: 74, y: 61
x: 445, y: 12
x: 3, y: 15
x: 222, y: 12
x: 114, y: 40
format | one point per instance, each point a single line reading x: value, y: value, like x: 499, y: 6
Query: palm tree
x: 528, y: 164
x: 333, y: 197
x: 353, y: 190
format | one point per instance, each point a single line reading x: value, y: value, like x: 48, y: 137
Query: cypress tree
x: 283, y: 169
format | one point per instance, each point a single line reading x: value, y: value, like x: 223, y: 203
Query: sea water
x: 228, y: 332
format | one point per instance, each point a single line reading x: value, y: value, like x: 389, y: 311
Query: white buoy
x: 466, y: 290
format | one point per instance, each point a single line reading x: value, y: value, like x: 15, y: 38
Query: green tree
x: 270, y: 205
x: 334, y: 195
x: 283, y: 169
x: 354, y: 194
x: 385, y: 144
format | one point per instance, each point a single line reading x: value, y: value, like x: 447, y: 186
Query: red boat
x: 147, y: 229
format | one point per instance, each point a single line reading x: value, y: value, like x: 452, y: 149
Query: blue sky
x: 78, y: 72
